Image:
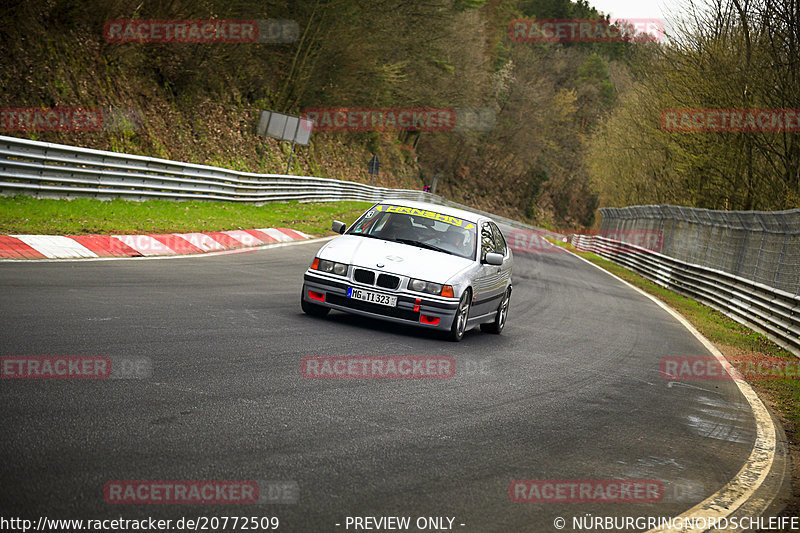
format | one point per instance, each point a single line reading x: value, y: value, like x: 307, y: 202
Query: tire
x: 462, y: 315
x: 500, y: 318
x: 313, y: 309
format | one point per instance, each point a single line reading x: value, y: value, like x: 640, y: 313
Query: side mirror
x: 494, y: 259
x: 338, y: 226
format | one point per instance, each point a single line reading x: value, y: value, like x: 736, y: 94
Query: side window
x: 487, y: 240
x: 499, y: 240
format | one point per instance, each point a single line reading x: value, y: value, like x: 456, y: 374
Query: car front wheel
x: 500, y: 318
x: 462, y: 315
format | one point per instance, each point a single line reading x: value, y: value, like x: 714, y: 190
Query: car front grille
x: 364, y: 276
x: 388, y: 281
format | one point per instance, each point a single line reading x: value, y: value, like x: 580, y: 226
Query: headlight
x: 331, y: 267
x: 425, y: 286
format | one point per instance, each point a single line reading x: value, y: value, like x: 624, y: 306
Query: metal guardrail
x: 50, y: 170
x: 771, y: 311
x: 762, y: 246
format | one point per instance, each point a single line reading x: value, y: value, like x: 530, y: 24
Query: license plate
x: 372, y: 297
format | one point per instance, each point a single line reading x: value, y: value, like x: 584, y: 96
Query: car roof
x: 451, y: 211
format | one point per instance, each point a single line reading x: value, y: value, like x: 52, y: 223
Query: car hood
x: 396, y: 258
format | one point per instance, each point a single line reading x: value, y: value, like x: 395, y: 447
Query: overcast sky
x: 628, y: 9
x: 666, y: 11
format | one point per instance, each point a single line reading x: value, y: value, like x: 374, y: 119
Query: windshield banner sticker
x: 447, y: 219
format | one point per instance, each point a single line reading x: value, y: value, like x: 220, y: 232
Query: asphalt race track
x: 570, y: 391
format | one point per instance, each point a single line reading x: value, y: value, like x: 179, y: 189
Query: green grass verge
x: 26, y: 215
x: 736, y: 341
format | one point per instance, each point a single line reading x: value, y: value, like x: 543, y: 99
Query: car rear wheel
x: 462, y: 315
x: 312, y: 309
x: 500, y: 318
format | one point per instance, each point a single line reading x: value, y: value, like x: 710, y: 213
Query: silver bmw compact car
x: 415, y: 263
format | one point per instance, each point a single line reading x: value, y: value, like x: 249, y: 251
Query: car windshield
x: 418, y: 227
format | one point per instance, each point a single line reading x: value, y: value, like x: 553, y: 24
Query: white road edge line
x: 751, y: 476
x: 179, y: 256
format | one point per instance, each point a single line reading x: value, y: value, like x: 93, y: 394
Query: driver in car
x: 456, y: 240
x: 399, y: 227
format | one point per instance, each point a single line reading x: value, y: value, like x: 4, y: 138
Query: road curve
x: 570, y: 391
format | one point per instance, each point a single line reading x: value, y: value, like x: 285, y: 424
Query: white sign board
x: 285, y: 127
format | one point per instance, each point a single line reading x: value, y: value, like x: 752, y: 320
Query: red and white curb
x: 98, y: 246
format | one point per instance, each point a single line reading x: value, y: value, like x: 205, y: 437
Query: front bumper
x: 411, y: 308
